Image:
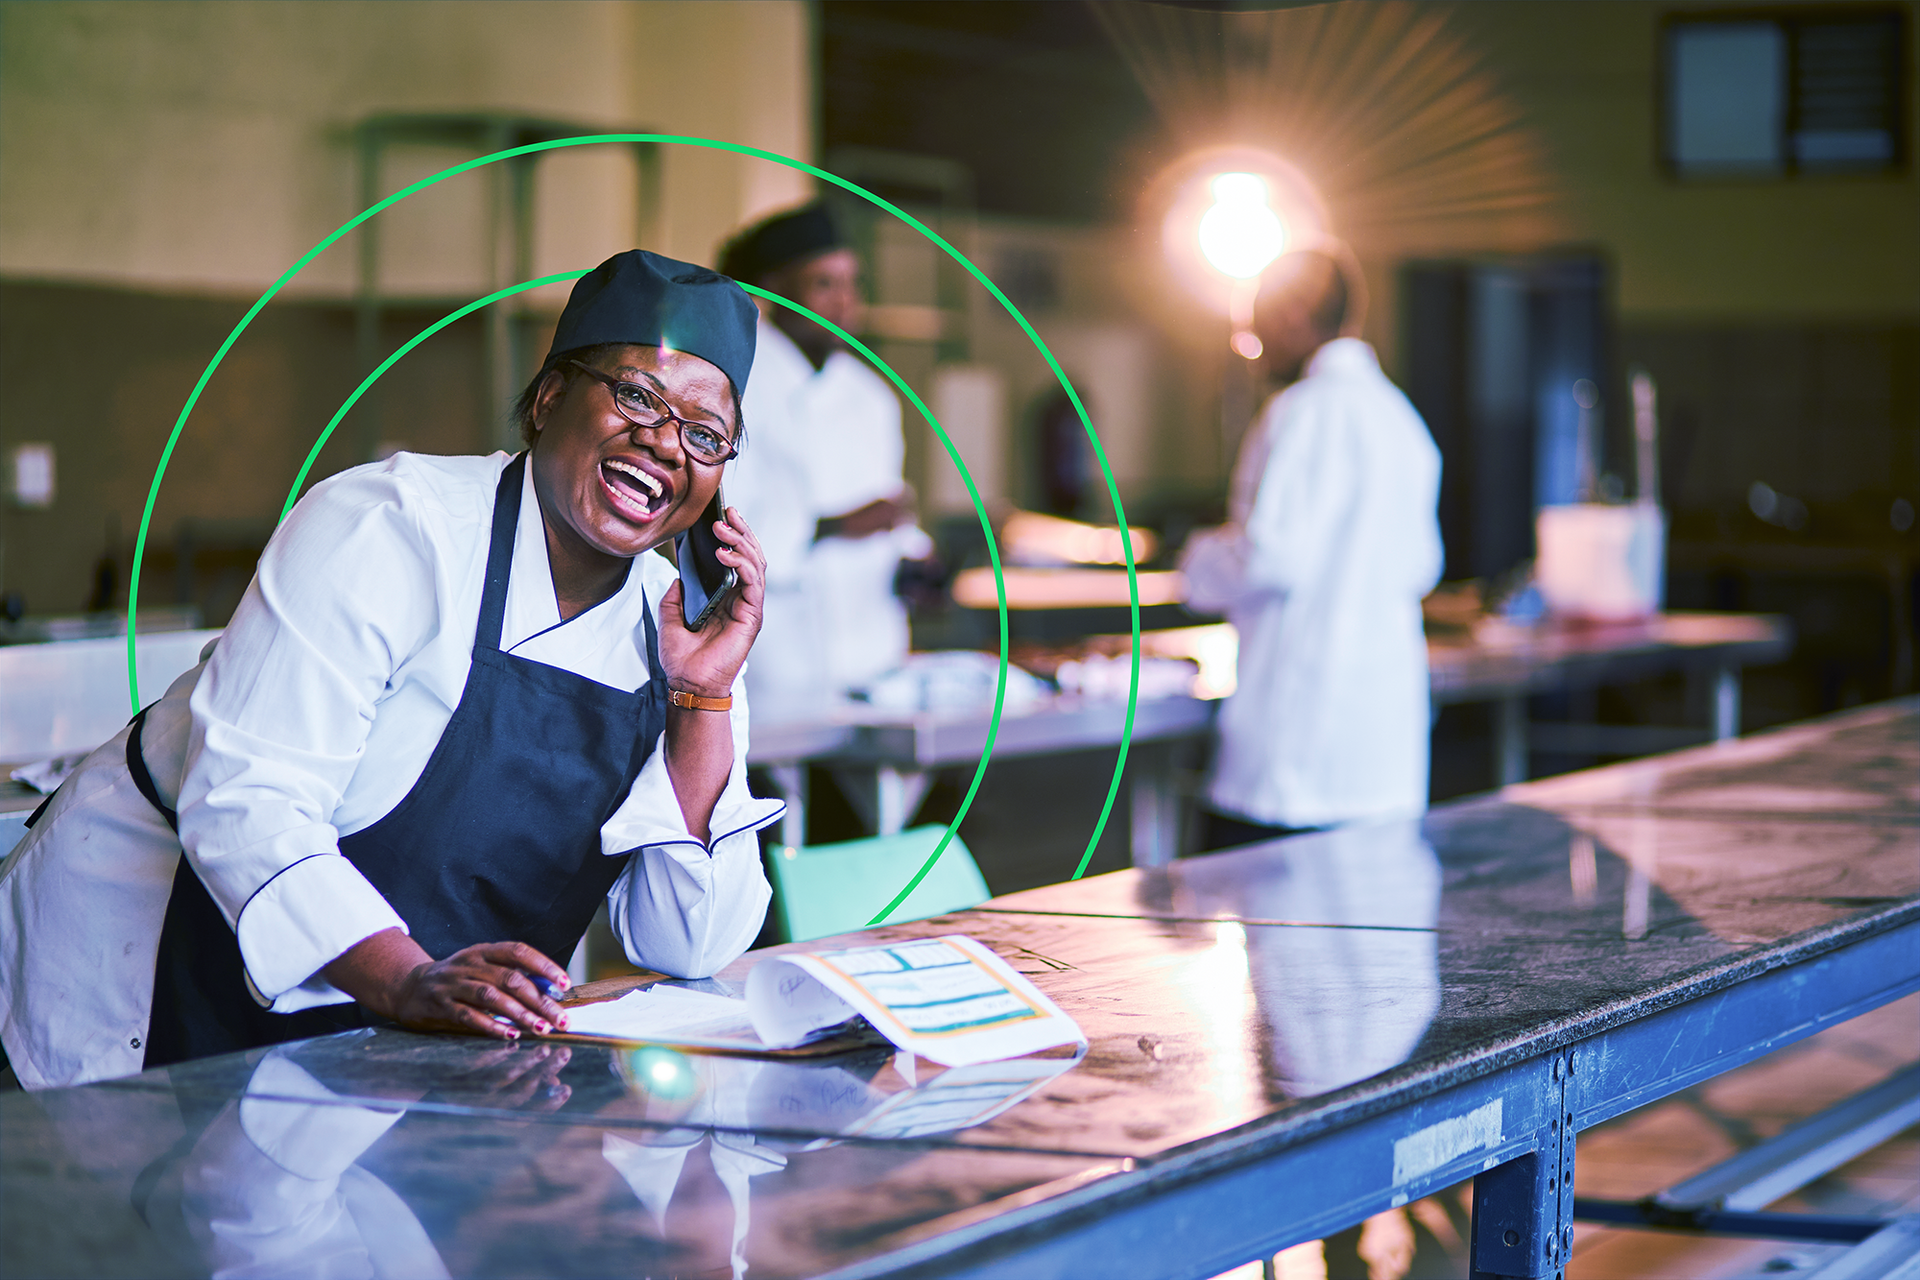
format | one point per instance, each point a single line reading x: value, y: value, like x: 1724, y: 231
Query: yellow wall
x: 1799, y: 248
x: 162, y: 164
x: 203, y: 145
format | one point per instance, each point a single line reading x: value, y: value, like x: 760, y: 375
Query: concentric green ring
x: 1099, y: 452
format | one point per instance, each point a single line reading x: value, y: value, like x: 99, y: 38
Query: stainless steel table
x: 886, y: 764
x: 1506, y: 665
x: 1285, y: 1040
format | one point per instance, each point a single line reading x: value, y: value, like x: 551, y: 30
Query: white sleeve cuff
x: 683, y: 907
x: 302, y: 920
x: 650, y: 816
x: 688, y: 913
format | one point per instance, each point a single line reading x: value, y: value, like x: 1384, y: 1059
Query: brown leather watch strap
x: 693, y: 702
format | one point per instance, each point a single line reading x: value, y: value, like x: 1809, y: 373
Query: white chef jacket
x: 821, y: 443
x: 768, y: 483
x: 312, y: 719
x: 1334, y: 540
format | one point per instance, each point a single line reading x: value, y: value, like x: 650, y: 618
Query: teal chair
x: 836, y: 888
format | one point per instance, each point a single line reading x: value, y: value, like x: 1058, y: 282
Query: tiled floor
x: 1658, y: 1146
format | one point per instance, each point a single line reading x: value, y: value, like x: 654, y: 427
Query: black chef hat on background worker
x: 779, y: 241
x: 646, y: 300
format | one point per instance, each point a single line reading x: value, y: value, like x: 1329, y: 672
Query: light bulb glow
x: 1240, y: 234
x: 1239, y: 188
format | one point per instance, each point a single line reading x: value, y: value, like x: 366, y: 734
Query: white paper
x: 948, y: 999
x: 958, y: 1098
x: 668, y: 1015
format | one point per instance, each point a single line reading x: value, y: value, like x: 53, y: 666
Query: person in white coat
x: 821, y: 480
x: 457, y: 708
x: 1333, y: 539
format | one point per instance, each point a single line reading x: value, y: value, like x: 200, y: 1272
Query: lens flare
x: 1241, y: 234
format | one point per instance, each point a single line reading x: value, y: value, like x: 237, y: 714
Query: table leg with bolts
x: 1153, y: 796
x: 1510, y: 739
x: 885, y: 797
x: 1726, y: 703
x: 790, y: 780
x: 1523, y: 1209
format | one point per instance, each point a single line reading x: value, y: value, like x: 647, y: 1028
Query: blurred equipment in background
x: 1607, y: 561
x: 30, y: 475
x: 1055, y: 564
x: 1028, y: 538
x: 1494, y: 353
x: 1601, y: 562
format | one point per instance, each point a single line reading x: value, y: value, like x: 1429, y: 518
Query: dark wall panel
x: 103, y: 374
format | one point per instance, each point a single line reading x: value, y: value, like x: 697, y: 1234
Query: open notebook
x: 948, y: 999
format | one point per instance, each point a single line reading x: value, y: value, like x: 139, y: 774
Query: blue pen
x: 544, y: 985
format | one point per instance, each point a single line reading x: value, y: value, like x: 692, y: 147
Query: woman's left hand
x: 705, y: 662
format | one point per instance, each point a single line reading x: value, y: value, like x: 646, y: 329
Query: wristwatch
x: 693, y: 702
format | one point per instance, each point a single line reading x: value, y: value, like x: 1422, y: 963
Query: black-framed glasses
x: 640, y: 406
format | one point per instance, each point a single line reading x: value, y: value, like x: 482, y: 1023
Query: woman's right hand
x: 390, y: 974
x: 465, y: 991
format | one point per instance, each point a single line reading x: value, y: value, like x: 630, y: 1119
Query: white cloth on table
x: 1333, y: 541
x: 312, y: 719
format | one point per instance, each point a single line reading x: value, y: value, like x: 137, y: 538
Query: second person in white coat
x: 1333, y: 539
x: 822, y: 481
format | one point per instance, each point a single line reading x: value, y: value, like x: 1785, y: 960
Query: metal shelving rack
x: 509, y: 245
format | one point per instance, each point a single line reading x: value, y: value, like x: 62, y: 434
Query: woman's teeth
x: 638, y: 478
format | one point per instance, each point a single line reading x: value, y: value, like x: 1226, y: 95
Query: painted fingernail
x: 542, y: 1027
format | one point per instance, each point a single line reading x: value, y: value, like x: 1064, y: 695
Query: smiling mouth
x: 633, y: 488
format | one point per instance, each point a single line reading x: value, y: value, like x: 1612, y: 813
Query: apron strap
x: 656, y: 674
x: 137, y: 766
x: 506, y: 519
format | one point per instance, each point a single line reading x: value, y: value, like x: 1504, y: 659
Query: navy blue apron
x: 498, y: 841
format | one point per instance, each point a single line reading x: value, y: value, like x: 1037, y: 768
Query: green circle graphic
x: 1073, y: 396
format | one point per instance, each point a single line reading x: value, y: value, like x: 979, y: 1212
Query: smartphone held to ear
x: 705, y: 583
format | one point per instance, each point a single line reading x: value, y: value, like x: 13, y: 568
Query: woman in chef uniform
x: 457, y: 707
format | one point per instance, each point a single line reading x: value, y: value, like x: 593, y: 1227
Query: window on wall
x: 1784, y: 93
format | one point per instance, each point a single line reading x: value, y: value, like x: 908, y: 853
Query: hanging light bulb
x: 1240, y: 234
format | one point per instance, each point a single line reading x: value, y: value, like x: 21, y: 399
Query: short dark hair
x: 1330, y: 314
x: 1328, y: 303
x: 521, y: 415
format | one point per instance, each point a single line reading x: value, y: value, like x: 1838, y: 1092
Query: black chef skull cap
x: 646, y: 300
x: 779, y: 241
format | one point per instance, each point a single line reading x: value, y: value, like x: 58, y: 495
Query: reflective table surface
x: 1252, y: 997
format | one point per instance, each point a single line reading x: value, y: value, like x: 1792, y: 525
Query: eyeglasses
x: 643, y: 408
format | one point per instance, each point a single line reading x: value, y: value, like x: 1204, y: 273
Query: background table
x: 886, y: 763
x: 1285, y: 1040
